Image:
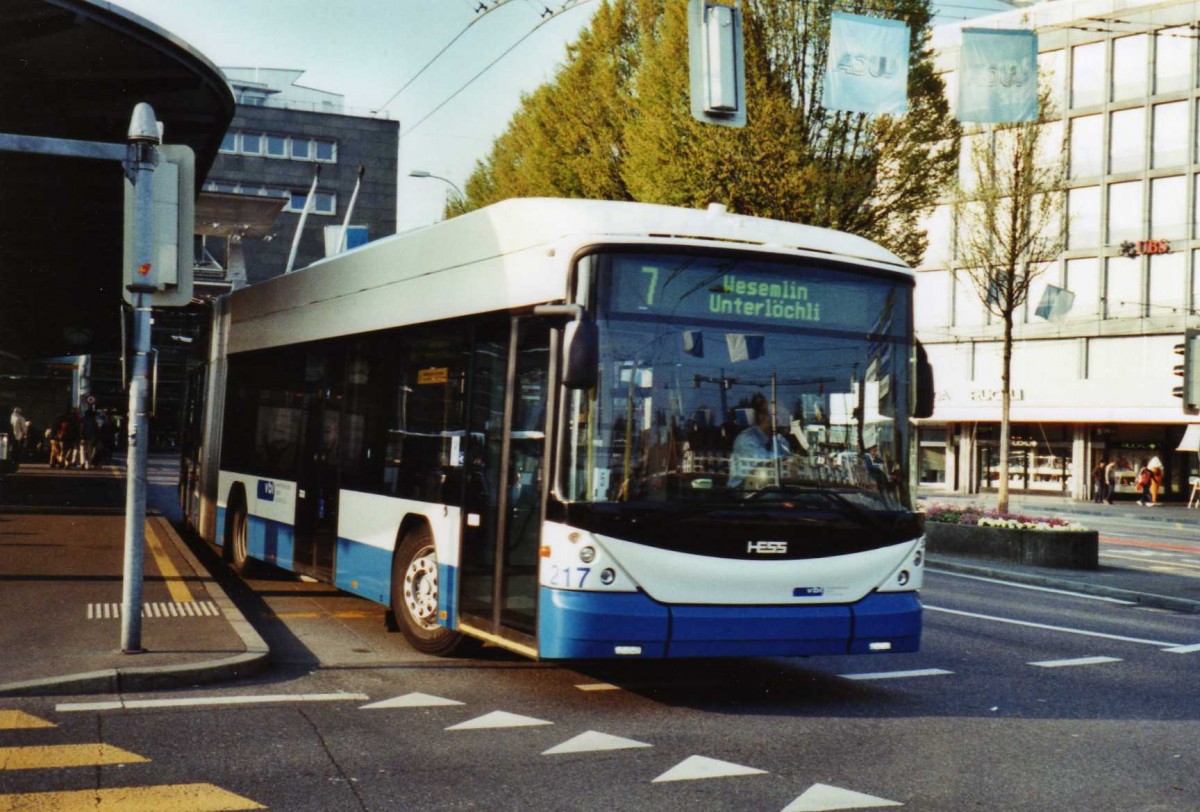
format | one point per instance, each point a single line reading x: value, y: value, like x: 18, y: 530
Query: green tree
x: 615, y: 123
x: 1008, y: 224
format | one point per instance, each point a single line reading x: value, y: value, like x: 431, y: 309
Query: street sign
x: 167, y: 278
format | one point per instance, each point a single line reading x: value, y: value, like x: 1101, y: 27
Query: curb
x: 144, y: 678
x: 1168, y: 602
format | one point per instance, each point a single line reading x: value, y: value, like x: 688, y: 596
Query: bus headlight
x: 918, y: 557
x: 608, y: 576
x: 902, y: 578
x: 587, y: 554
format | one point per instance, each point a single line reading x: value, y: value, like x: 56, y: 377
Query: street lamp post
x: 421, y: 173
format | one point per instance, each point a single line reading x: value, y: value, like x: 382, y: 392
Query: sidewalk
x: 62, y: 535
x: 1159, y: 589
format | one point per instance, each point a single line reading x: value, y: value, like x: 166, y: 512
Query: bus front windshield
x: 727, y: 378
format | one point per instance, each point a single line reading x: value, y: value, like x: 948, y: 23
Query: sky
x: 367, y: 50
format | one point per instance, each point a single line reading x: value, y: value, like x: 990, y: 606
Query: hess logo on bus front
x: 767, y: 547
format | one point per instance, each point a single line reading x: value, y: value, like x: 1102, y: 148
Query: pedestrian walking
x: 1098, y: 481
x: 1110, y: 480
x: 20, y: 430
x: 1155, y: 467
x: 87, y: 438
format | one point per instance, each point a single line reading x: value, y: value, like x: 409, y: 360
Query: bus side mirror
x: 924, y: 404
x: 581, y: 354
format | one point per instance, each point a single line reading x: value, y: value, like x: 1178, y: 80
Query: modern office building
x: 283, y: 135
x: 1098, y: 381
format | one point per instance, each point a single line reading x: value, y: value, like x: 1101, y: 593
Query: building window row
x: 1166, y: 216
x: 1171, y: 141
x: 275, y: 145
x: 1114, y: 287
x: 323, y: 202
x: 1141, y: 65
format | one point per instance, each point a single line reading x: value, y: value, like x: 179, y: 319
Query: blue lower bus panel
x: 584, y: 625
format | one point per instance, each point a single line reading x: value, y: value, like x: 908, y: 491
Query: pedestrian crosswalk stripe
x: 160, y: 609
x: 695, y: 767
x: 20, y: 720
x: 499, y: 719
x: 175, y: 797
x: 64, y: 755
x: 824, y: 798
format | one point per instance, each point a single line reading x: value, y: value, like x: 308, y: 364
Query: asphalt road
x: 1021, y: 699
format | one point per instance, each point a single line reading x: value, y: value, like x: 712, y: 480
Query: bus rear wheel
x: 415, y: 595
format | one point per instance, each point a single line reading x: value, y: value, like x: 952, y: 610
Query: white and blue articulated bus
x: 581, y: 429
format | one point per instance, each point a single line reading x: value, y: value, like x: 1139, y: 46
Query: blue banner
x: 997, y: 76
x: 867, y: 70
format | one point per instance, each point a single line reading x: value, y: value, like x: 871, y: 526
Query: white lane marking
x: 413, y: 700
x: 592, y: 741
x: 1048, y: 627
x: 598, y: 686
x: 265, y: 699
x: 824, y: 798
x: 1076, y: 661
x: 1194, y: 647
x: 1037, y: 588
x: 695, y: 767
x: 499, y: 719
x: 922, y: 672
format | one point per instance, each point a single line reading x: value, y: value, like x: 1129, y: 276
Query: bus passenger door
x: 317, y: 489
x: 502, y: 510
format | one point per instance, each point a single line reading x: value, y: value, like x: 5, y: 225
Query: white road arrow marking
x: 499, y: 719
x: 695, y: 767
x: 414, y: 700
x: 592, y: 741
x: 822, y: 798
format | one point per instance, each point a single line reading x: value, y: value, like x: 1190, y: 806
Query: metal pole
x: 139, y: 168
x: 308, y: 202
x: 350, y: 210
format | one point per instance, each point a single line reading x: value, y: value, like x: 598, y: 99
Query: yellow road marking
x: 175, y: 797
x: 18, y: 720
x: 65, y: 755
x: 175, y: 583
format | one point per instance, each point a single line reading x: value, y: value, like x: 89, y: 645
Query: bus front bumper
x: 606, y: 625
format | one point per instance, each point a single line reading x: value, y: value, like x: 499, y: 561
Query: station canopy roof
x: 75, y: 69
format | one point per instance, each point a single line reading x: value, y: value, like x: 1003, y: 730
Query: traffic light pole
x: 139, y: 168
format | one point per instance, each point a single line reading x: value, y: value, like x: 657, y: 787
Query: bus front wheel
x: 237, y: 541
x: 415, y: 595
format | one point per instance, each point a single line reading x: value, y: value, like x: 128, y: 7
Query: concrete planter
x: 1068, y: 549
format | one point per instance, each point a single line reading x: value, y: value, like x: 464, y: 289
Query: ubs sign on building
x: 1093, y: 355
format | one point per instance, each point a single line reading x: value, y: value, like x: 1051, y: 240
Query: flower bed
x: 973, y: 532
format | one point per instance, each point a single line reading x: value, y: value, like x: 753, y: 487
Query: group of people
x: 74, y: 440
x: 1148, y: 481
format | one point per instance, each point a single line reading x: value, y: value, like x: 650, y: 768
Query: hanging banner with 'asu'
x: 867, y: 70
x: 998, y: 76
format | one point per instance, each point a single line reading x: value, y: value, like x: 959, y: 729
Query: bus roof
x: 523, y: 222
x: 493, y: 259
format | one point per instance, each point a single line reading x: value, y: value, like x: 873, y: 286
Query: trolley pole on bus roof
x: 139, y: 168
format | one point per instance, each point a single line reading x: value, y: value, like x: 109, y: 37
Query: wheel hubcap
x: 421, y: 589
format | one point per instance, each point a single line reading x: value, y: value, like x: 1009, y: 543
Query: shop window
x: 1170, y: 145
x: 1127, y: 140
